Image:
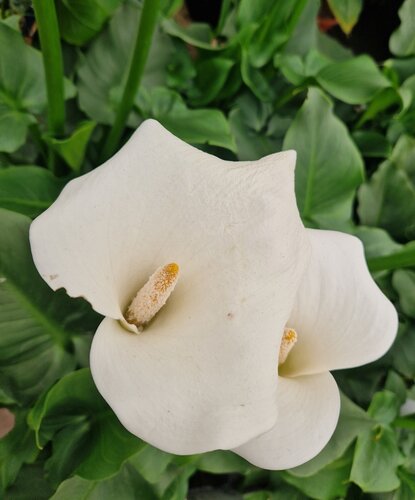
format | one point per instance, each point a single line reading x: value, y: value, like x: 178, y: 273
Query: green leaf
x: 255, y: 80
x: 179, y: 487
x: 377, y: 242
x: 211, y: 77
x: 402, y: 351
x: 73, y: 148
x: 22, y: 88
x: 28, y: 190
x: 355, y: 81
x: 402, y: 41
x: 197, y: 126
x: 346, y: 12
x: 396, y: 384
x: 384, y: 407
x: 81, y: 20
x: 197, y: 34
x: 404, y: 284
x: 352, y: 421
x: 151, y: 463
x: 329, y: 166
x: 103, y: 70
x: 328, y: 483
x: 274, y: 23
x: 127, y: 485
x: 100, y: 444
x: 385, y: 99
x: 376, y: 459
x: 257, y: 132
x: 403, y: 155
x: 222, y: 462
x: 30, y: 483
x: 36, y: 324
x: 388, y: 201
x: 404, y: 257
x: 17, y: 448
x: 372, y: 144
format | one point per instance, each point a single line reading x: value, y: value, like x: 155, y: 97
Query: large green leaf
x: 355, y: 81
x: 328, y: 483
x: 72, y: 149
x: 388, y: 201
x: 402, y: 41
x: 376, y: 459
x: 197, y: 126
x: 274, y: 21
x: 22, y: 88
x: 257, y: 131
x: 87, y: 437
x: 17, y: 448
x: 80, y: 20
x: 346, y: 12
x: 28, y: 190
x: 329, y: 166
x: 35, y: 324
x: 103, y: 69
x: 126, y: 485
x: 404, y: 283
x: 353, y: 421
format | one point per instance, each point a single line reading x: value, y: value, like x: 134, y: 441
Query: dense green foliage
x: 263, y: 80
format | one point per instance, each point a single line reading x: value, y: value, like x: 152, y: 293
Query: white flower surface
x: 203, y: 373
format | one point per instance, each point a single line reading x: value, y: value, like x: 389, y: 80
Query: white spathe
x: 343, y: 320
x: 203, y: 374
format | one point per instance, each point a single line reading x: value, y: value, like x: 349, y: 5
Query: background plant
x: 265, y: 78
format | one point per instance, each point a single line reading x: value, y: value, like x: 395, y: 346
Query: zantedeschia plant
x: 229, y: 343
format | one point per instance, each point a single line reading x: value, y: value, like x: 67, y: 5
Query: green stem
x: 142, y: 47
x: 397, y: 260
x: 47, y: 23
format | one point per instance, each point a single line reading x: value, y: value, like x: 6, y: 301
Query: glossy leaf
x: 103, y: 69
x: 384, y: 407
x: 346, y: 12
x: 330, y: 482
x: 404, y: 283
x: 402, y: 41
x: 22, y: 88
x: 81, y: 20
x: 274, y: 22
x: 127, y: 485
x: 353, y: 421
x: 73, y: 148
x: 28, y: 190
x: 35, y: 323
x: 257, y: 132
x: 388, y: 201
x: 197, y: 126
x: 355, y: 81
x: 17, y: 448
x: 329, y: 166
x: 376, y: 459
x: 372, y: 144
x: 103, y: 446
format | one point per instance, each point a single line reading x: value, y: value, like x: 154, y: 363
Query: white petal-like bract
x: 308, y: 410
x: 202, y: 375
x: 342, y: 318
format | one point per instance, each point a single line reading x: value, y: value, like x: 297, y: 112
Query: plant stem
x: 139, y: 58
x: 47, y: 23
x: 402, y: 258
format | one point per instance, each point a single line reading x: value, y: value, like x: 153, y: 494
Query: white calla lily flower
x: 208, y: 281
